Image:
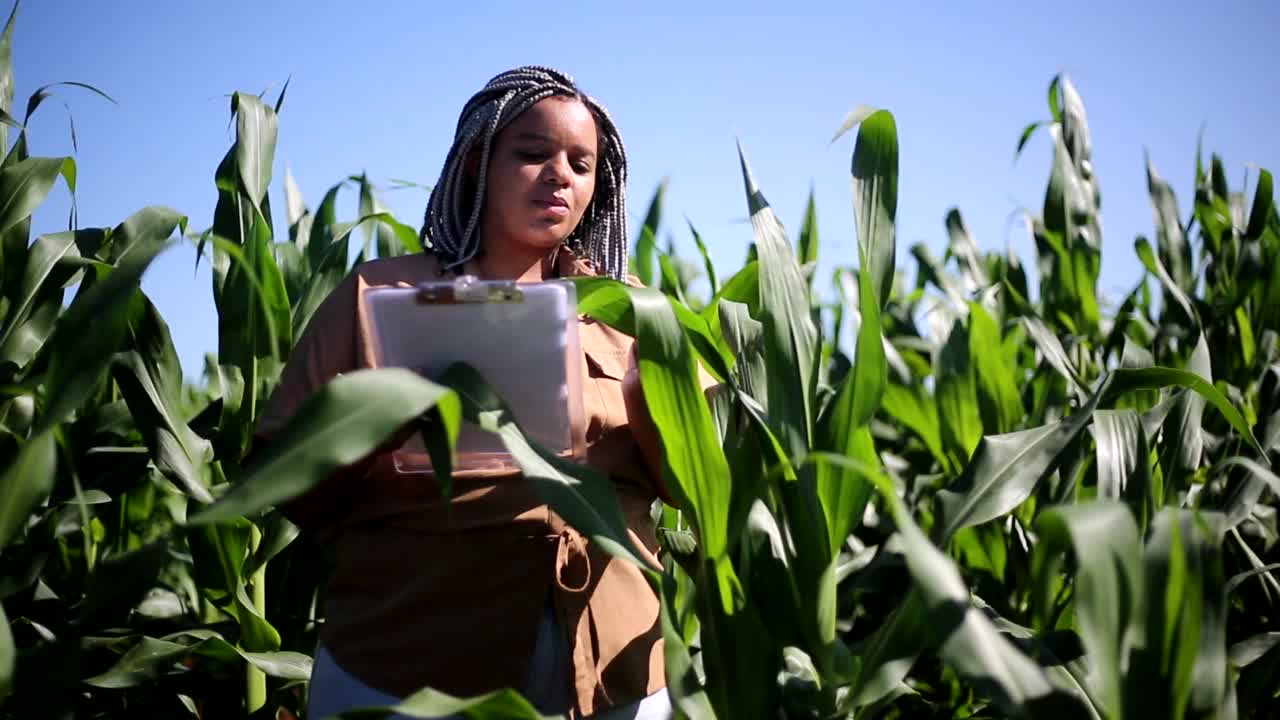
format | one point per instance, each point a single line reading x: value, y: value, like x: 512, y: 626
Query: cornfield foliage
x: 999, y: 505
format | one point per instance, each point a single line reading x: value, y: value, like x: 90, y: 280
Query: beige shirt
x: 451, y: 600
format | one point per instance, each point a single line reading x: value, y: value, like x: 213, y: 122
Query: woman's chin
x: 544, y: 240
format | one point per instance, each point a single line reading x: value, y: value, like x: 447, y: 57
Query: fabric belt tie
x: 573, y: 565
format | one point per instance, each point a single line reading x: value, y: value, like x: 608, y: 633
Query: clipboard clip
x: 468, y: 289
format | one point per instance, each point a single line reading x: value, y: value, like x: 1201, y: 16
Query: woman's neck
x: 520, y: 264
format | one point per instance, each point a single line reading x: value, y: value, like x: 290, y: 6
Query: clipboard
x: 521, y: 337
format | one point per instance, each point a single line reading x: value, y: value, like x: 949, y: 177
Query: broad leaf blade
x: 875, y: 198
x: 1006, y: 469
x: 967, y: 639
x: 1108, y: 582
x: 256, y: 128
x: 1124, y: 468
x: 647, y: 242
x: 26, y: 482
x: 26, y: 183
x: 91, y: 330
x: 337, y: 426
x: 790, y: 336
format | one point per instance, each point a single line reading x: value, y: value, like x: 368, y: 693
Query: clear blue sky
x: 376, y: 87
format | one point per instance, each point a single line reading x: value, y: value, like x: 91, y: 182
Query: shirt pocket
x: 604, y: 406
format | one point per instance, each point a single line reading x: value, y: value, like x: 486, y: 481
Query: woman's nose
x: 556, y: 170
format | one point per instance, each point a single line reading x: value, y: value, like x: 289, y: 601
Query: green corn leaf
x: 92, y: 328
x: 930, y: 269
x: 687, y: 694
x: 965, y: 637
x: 51, y: 263
x: 743, y: 287
x: 791, y: 350
x: 1183, y: 650
x: 998, y: 400
x: 696, y: 469
x: 913, y: 407
x: 273, y: 299
x: 324, y: 238
x: 8, y: 655
x: 118, y: 583
x: 1143, y: 248
x: 1006, y: 469
x: 1184, y: 439
x: 647, y: 242
x: 1175, y: 251
x: 329, y: 268
x: 875, y: 189
x: 277, y: 535
x: 6, y: 83
x: 671, y: 284
x: 607, y: 301
x: 25, y: 184
x: 854, y: 119
x: 1259, y: 659
x: 1125, y: 380
x: 744, y: 337
x: 293, y: 270
x: 844, y: 493
x: 1263, y: 206
x: 706, y: 259
x: 888, y: 654
x: 256, y: 128
x: 1025, y: 135
x: 875, y: 193
x: 1240, y: 503
x: 1052, y: 351
x: 844, y: 429
x: 499, y: 705
x: 584, y: 498
x: 1236, y: 580
x: 218, y: 553
x: 965, y: 249
x: 1055, y: 98
x: 957, y: 396
x: 1104, y: 540
x: 1124, y: 466
x: 807, y: 243
x: 256, y: 633
x: 340, y: 424
x: 44, y: 92
x: 26, y: 481
x: 150, y: 378
x: 151, y: 657
x: 1070, y: 677
x: 295, y: 209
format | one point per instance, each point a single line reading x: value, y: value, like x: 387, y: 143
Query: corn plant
x: 975, y: 503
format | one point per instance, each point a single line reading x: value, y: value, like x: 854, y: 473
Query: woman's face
x: 542, y: 174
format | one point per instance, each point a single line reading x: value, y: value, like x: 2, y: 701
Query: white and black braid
x: 450, y: 228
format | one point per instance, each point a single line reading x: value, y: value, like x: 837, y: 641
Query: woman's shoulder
x: 397, y: 270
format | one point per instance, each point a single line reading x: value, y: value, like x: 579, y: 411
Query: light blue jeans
x: 333, y: 690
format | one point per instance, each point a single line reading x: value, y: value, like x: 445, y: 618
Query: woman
x: 499, y: 591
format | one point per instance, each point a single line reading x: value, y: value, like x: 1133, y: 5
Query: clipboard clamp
x: 468, y: 289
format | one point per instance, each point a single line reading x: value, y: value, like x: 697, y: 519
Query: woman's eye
x: 582, y: 167
x: 530, y: 155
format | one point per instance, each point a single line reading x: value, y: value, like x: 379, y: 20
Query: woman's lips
x: 556, y: 207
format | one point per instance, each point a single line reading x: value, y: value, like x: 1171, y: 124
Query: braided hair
x: 450, y: 228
